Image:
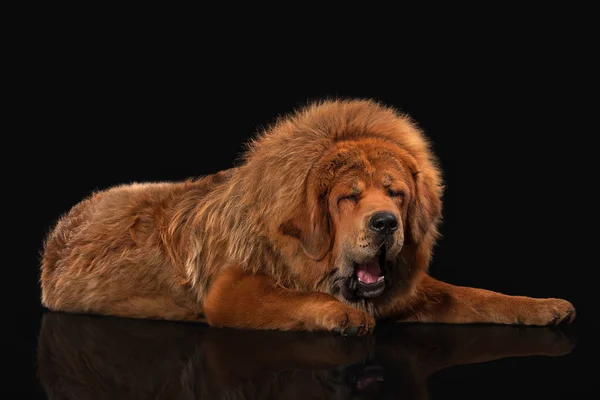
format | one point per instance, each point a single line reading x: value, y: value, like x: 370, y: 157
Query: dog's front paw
x: 544, y: 312
x: 347, y: 321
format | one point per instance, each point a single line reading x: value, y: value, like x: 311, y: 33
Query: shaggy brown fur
x: 278, y: 242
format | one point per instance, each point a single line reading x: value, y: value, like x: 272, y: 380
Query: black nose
x: 384, y: 223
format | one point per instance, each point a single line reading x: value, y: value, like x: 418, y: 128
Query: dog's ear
x: 311, y: 225
x: 424, y: 210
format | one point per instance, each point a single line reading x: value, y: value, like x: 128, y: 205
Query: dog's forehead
x: 358, y: 183
x: 371, y: 157
x: 356, y: 163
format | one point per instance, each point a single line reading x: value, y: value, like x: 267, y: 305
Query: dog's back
x: 110, y: 249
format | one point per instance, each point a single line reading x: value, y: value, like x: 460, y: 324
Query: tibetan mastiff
x: 327, y: 223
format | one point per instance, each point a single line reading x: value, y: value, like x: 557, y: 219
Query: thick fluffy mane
x: 233, y: 222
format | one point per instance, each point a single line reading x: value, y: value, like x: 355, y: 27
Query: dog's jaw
x: 368, y: 279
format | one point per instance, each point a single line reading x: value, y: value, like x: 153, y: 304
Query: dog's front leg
x: 441, y: 302
x: 237, y: 299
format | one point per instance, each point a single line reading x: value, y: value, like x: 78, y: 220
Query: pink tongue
x: 369, y: 272
x: 363, y: 383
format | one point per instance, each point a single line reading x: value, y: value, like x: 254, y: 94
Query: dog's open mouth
x: 370, y: 276
x: 370, y: 379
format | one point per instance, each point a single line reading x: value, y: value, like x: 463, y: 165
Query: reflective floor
x: 88, y: 357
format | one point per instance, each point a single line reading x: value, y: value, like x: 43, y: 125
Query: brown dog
x: 328, y: 224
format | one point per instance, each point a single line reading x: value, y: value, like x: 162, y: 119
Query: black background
x: 510, y: 119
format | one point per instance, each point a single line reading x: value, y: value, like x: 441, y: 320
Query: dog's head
x: 369, y: 219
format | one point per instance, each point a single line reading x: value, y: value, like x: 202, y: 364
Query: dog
x: 326, y: 224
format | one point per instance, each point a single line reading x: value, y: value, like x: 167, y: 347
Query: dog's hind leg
x: 162, y: 307
x: 156, y: 307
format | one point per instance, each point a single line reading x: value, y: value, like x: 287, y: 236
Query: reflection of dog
x: 328, y: 224
x: 88, y: 357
